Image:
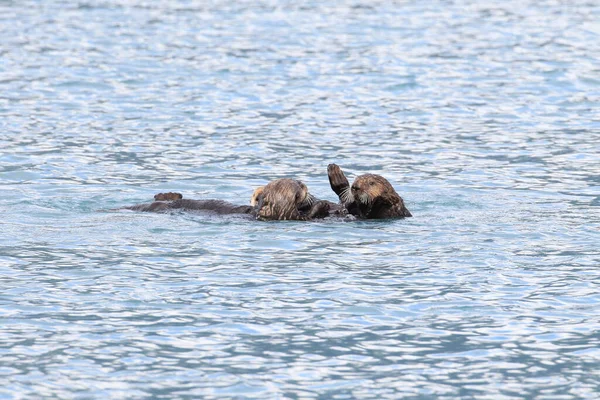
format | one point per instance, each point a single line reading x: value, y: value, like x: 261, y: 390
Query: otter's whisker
x: 346, y: 195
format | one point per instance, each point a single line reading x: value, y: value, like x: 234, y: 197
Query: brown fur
x: 282, y: 199
x: 215, y: 206
x: 175, y: 201
x: 168, y: 196
x: 255, y: 198
x: 370, y: 196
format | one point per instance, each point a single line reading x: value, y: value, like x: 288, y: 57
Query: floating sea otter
x: 370, y: 196
x: 281, y: 199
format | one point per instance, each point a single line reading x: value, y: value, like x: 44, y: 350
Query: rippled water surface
x: 484, y: 116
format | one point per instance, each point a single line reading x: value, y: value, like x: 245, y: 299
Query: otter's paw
x: 171, y: 196
x: 337, y: 179
x: 319, y: 210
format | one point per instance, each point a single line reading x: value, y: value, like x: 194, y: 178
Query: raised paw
x: 337, y: 179
x: 171, y: 196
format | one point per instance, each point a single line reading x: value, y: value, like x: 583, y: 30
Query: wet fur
x: 168, y: 196
x: 216, y: 206
x: 370, y: 196
x: 282, y: 199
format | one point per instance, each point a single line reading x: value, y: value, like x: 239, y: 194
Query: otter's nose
x: 355, y: 188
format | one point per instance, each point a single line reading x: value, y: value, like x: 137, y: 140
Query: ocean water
x: 485, y: 116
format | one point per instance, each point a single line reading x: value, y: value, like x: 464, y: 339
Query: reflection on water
x: 483, y: 116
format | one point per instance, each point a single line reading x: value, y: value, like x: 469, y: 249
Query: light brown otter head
x: 281, y: 199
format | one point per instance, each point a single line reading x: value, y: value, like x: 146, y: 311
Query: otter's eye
x: 372, y: 183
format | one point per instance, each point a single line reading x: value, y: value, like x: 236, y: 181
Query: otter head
x: 281, y: 199
x: 376, y: 198
x: 368, y: 188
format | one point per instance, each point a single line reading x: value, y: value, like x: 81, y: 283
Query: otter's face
x: 368, y: 187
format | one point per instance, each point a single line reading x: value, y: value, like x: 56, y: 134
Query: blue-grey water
x: 485, y: 116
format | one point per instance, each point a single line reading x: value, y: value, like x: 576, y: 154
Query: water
x: 483, y: 115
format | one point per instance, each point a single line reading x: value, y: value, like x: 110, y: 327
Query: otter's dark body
x: 216, y: 206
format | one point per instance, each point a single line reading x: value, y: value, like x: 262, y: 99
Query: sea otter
x: 281, y: 199
x: 370, y: 196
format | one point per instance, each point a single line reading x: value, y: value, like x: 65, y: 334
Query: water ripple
x: 483, y: 116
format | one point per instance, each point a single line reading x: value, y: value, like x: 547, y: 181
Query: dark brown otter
x: 370, y: 196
